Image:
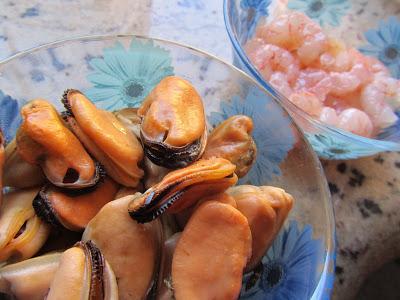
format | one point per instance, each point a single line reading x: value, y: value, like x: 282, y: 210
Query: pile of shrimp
x: 338, y: 85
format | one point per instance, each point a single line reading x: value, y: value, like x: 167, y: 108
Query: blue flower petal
x: 329, y: 12
x: 300, y: 257
x: 272, y: 132
x: 387, y: 35
x: 142, y: 64
x: 10, y: 118
x: 104, y: 79
x: 101, y: 94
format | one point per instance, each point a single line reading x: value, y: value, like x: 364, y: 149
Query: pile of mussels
x: 179, y: 227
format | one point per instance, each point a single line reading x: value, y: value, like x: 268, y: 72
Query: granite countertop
x: 366, y: 192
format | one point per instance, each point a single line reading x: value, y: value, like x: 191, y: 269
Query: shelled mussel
x: 83, y: 273
x: 153, y: 193
x: 105, y: 137
x: 43, y: 139
x: 22, y: 233
x: 173, y: 127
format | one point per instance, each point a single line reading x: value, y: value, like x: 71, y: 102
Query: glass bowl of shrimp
x: 334, y: 65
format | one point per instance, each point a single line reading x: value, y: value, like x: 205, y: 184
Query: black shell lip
x: 44, y: 210
x: 97, y: 264
x: 65, y: 101
x: 156, y: 203
x: 173, y: 157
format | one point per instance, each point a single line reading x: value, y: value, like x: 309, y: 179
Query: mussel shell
x: 173, y: 157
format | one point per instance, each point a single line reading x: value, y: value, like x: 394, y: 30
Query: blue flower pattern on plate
x: 281, y: 274
x: 269, y: 121
x: 329, y: 147
x: 124, y: 77
x: 384, y: 44
x: 10, y: 118
x: 259, y: 8
x: 323, y: 11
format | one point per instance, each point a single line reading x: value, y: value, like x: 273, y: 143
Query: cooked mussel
x: 17, y: 172
x: 129, y: 117
x: 105, y: 137
x: 2, y: 160
x: 83, y: 273
x: 182, y: 188
x: 73, y: 209
x: 183, y: 216
x: 266, y: 209
x: 164, y: 285
x: 232, y: 140
x: 153, y: 173
x: 173, y: 128
x: 22, y: 233
x: 132, y: 249
x: 211, y: 253
x: 29, y: 279
x: 43, y: 139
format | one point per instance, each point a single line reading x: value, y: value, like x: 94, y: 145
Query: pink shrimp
x: 376, y: 66
x: 373, y: 101
x: 355, y: 121
x: 253, y: 49
x: 314, y: 81
x: 307, y: 102
x: 329, y: 116
x: 343, y: 83
x: 270, y: 58
x: 359, y: 75
x: 295, y: 31
x: 279, y: 81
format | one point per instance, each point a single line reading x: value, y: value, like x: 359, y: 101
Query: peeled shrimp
x: 374, y: 104
x: 336, y: 58
x: 355, y: 121
x: 307, y: 102
x: 295, y: 31
x: 314, y: 81
x: 329, y: 116
x: 269, y: 59
x: 279, y: 81
x: 254, y: 50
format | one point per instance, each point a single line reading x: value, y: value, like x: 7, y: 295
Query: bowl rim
x: 286, y: 103
x: 329, y: 211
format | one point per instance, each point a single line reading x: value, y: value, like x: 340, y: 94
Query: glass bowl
x: 119, y: 71
x: 365, y: 25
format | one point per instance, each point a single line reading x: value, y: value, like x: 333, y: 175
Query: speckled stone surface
x: 366, y: 192
x: 366, y: 197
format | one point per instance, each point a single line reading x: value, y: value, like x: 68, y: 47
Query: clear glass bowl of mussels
x: 136, y: 168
